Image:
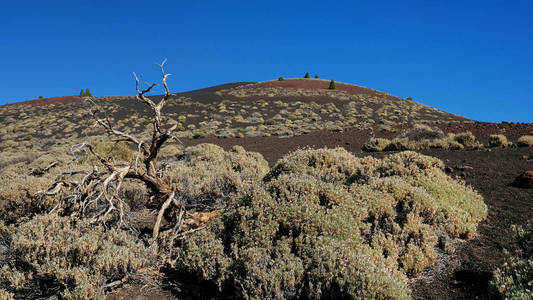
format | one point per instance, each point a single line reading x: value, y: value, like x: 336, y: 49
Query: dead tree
x: 100, y: 188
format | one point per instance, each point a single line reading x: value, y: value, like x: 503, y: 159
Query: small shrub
x: 525, y: 141
x: 316, y: 77
x: 513, y: 279
x: 116, y: 150
x: 422, y: 132
x: 499, y: 140
x: 376, y: 145
x: 468, y: 140
x: 306, y: 75
x: 281, y: 79
x: 332, y: 85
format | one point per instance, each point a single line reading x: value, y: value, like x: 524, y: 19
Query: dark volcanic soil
x: 491, y: 174
x: 470, y: 267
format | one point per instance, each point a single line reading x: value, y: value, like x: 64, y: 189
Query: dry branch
x: 97, y: 195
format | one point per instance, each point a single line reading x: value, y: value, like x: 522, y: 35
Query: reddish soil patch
x: 318, y: 84
x: 45, y: 101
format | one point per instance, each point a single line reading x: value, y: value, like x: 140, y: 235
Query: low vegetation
x: 52, y: 254
x: 320, y: 223
x: 499, y: 140
x: 525, y: 141
x: 514, y: 279
x: 422, y: 137
x: 332, y: 85
x: 327, y: 224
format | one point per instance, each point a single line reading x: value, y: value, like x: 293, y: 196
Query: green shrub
x: 20, y: 192
x: 328, y: 225
x: 513, y: 280
x: 332, y: 85
x: 87, y: 93
x: 467, y: 139
x: 499, y: 140
x: 376, y: 145
x: 316, y: 77
x: 63, y: 255
x: 206, y: 174
x: 306, y: 75
x: 525, y: 141
x: 116, y: 150
x: 281, y: 79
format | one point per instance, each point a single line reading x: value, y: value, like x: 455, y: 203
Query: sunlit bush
x: 499, y: 140
x: 328, y: 224
x: 206, y: 174
x: 525, y: 141
x: 63, y: 255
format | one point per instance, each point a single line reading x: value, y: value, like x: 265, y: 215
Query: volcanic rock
x: 524, y: 180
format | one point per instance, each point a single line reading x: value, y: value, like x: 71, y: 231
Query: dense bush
x: 514, y: 279
x: 117, y: 150
x: 21, y: 188
x: 525, y: 141
x: 499, y: 140
x: 306, y: 75
x: 206, y: 174
x: 54, y: 254
x: 62, y: 255
x: 328, y: 225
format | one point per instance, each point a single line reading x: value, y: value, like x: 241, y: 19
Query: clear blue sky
x: 474, y: 58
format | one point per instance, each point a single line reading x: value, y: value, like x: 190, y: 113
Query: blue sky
x: 474, y: 58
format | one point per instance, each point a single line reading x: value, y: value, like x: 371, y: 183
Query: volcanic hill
x: 278, y: 117
x: 286, y: 108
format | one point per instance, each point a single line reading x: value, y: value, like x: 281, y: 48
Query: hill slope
x: 273, y: 108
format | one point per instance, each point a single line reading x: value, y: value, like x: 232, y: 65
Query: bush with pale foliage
x: 66, y: 256
x: 499, y: 140
x: 525, y: 141
x: 326, y: 224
